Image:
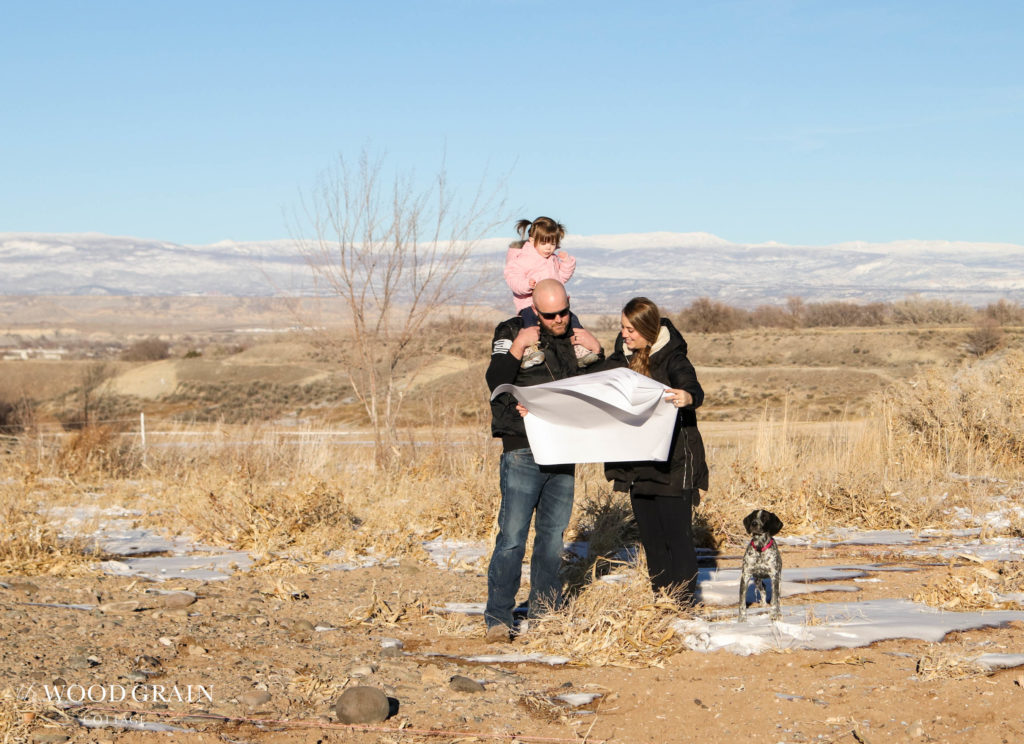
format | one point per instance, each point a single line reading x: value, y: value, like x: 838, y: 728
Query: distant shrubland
x: 705, y: 315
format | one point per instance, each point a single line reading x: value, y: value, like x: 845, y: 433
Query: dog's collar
x: 769, y: 544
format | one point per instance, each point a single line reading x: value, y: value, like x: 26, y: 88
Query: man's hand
x: 586, y: 339
x: 525, y: 338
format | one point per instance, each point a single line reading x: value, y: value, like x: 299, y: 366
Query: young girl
x: 532, y: 258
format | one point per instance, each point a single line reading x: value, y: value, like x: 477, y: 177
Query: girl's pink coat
x: 524, y: 264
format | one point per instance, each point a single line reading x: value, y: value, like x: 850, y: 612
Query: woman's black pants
x: 666, y: 531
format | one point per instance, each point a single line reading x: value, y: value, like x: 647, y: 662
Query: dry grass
x: 21, y: 716
x: 945, y: 661
x: 29, y: 543
x: 967, y: 424
x: 251, y: 489
x: 970, y: 588
x: 943, y: 440
x: 604, y: 520
x: 606, y: 623
x: 97, y: 452
x: 304, y: 495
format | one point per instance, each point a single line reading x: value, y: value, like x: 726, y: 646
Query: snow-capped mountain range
x: 673, y: 268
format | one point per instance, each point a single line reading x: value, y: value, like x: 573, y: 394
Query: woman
x: 663, y: 494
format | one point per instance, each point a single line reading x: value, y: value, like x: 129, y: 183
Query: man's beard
x: 551, y: 332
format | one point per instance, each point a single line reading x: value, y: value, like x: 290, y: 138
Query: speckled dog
x: 761, y: 561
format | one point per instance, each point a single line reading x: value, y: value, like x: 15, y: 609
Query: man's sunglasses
x: 556, y: 314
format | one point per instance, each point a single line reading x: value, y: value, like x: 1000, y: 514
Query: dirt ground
x: 253, y: 632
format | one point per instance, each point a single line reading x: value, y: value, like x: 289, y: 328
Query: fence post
x: 142, y: 433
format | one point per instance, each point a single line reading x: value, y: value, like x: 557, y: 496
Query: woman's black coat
x: 686, y: 467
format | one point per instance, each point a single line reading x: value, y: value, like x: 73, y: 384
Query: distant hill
x: 673, y: 268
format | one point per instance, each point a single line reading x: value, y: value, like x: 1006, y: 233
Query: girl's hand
x: 533, y: 283
x: 678, y: 398
x: 522, y: 411
x: 562, y: 255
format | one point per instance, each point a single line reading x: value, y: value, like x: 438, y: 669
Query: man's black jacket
x: 559, y: 363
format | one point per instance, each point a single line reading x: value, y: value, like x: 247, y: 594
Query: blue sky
x: 800, y: 122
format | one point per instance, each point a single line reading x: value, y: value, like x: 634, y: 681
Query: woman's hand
x: 678, y: 398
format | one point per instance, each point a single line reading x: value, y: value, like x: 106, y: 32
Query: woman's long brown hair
x: 645, y: 318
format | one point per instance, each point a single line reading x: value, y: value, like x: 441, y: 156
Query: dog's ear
x: 773, y: 525
x: 749, y: 521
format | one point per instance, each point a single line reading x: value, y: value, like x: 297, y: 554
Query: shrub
x: 966, y: 424
x: 147, y: 350
x: 1005, y: 312
x: 17, y: 416
x: 98, y: 451
x: 843, y: 314
x: 708, y: 316
x: 772, y: 316
x: 986, y: 336
x: 917, y: 310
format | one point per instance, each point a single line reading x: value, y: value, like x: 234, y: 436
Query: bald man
x: 526, y: 487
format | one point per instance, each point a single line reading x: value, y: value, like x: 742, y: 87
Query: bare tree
x: 397, y: 255
x: 90, y: 391
x: 986, y: 336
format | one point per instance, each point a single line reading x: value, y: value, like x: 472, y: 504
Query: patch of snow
x: 576, y: 699
x: 839, y: 625
x: 447, y: 553
x: 992, y: 549
x: 197, y: 566
x: 999, y: 661
x: 550, y: 659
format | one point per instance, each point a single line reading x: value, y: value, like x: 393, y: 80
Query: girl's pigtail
x: 522, y: 227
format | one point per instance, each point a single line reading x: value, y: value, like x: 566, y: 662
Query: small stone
x: 149, y: 662
x: 24, y: 587
x: 82, y: 662
x: 122, y: 607
x: 362, y: 670
x: 177, y: 600
x: 460, y: 683
x: 136, y: 676
x: 195, y: 650
x: 165, y: 641
x: 391, y: 652
x: 362, y: 705
x: 916, y: 730
x: 254, y: 698
x: 301, y: 627
x: 261, y: 621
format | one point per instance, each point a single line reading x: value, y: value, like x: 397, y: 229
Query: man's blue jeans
x: 528, y: 488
